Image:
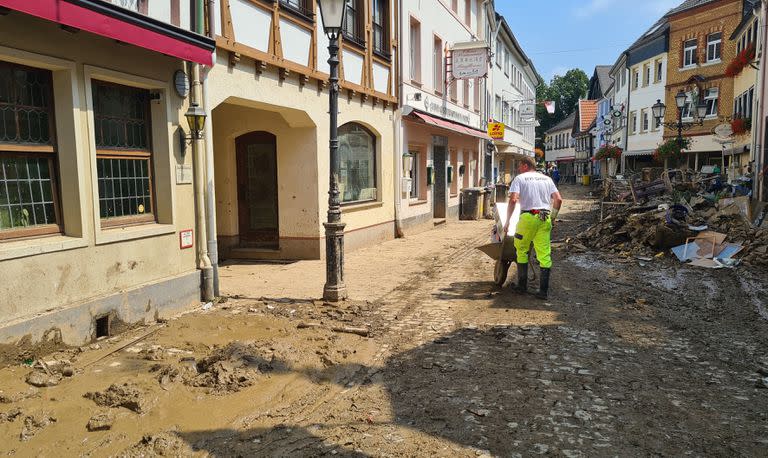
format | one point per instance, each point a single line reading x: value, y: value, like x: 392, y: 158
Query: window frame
x: 415, y: 50
x: 690, y: 51
x: 126, y: 154
x: 30, y: 150
x: 438, y: 65
x: 356, y: 36
x: 303, y: 11
x: 385, y: 28
x: 716, y: 45
x: 715, y: 102
x: 374, y: 158
x: 659, y: 69
x: 414, y: 174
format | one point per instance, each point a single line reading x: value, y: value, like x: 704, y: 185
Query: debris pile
x: 127, y: 395
x: 161, y: 444
x: 676, y: 215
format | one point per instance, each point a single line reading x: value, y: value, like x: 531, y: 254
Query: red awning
x: 102, y: 18
x: 452, y: 126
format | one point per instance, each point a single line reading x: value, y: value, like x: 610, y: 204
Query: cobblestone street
x: 622, y: 360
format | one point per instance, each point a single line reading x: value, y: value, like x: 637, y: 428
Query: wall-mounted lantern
x: 407, y: 164
x: 195, y: 116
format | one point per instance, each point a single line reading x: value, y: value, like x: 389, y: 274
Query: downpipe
x: 398, y: 125
x: 210, y: 191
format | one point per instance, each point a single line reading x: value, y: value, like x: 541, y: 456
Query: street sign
x: 469, y: 63
x: 496, y: 130
x: 527, y: 110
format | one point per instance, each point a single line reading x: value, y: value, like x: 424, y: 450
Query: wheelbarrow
x: 503, y: 251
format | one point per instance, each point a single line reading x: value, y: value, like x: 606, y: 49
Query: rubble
x: 34, y: 423
x: 669, y: 213
x: 162, y: 444
x: 126, y: 395
x: 100, y: 422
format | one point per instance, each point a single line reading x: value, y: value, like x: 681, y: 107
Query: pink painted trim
x: 82, y: 18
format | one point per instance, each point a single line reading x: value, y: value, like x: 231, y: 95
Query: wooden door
x: 257, y: 201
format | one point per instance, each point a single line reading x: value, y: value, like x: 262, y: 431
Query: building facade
x: 699, y: 51
x: 559, y: 148
x: 268, y: 99
x: 513, y: 90
x: 441, y: 128
x: 96, y: 201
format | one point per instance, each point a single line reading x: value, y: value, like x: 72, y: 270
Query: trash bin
x: 501, y: 192
x: 471, y: 203
x: 585, y: 180
x: 488, y: 202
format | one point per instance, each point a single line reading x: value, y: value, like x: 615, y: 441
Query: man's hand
x: 505, y: 231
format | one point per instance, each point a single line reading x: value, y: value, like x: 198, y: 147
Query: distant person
x: 540, y: 203
x: 556, y: 175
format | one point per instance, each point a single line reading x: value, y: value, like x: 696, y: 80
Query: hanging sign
x: 527, y: 110
x: 496, y: 130
x: 469, y: 63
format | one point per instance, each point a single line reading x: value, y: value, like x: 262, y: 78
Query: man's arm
x: 557, y: 202
x: 513, y: 198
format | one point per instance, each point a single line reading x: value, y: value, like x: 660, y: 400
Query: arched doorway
x: 257, y: 204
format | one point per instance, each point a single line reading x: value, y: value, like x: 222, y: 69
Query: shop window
x: 28, y: 189
x: 415, y: 175
x: 123, y: 153
x: 353, y: 23
x: 381, y: 28
x: 357, y: 172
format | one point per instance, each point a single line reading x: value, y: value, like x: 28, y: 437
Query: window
x: 468, y: 13
x: 353, y: 23
x: 414, y: 174
x: 498, y: 109
x: 659, y: 70
x: 465, y: 94
x: 28, y: 194
x: 455, y: 6
x: 710, y: 98
x: 646, y: 74
x: 476, y: 98
x: 505, y: 113
x: 689, y: 53
x: 633, y: 122
x: 123, y: 153
x: 357, y: 170
x: 714, y: 46
x: 635, y: 79
x: 506, y: 61
x: 381, y: 28
x: 623, y: 78
x: 454, y: 90
x: 298, y: 6
x: 646, y: 121
x: 437, y: 63
x: 499, y: 55
x: 415, y: 50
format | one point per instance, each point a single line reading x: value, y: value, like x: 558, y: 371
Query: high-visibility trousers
x: 529, y: 229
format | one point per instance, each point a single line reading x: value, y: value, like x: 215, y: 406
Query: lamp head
x: 701, y: 110
x: 332, y: 15
x: 196, y: 119
x: 681, y: 98
x: 659, y: 109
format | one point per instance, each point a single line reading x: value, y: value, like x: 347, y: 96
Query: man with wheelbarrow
x: 540, y: 202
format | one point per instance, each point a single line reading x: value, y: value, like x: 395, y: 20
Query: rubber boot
x: 543, y: 284
x: 522, y: 278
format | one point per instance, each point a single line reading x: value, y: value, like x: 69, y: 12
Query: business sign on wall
x: 469, y: 62
x: 496, y: 130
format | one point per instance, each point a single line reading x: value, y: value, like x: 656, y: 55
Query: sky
x: 558, y: 35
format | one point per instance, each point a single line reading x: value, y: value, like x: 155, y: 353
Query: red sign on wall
x: 186, y: 239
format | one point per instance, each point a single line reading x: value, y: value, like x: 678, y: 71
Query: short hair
x: 529, y: 162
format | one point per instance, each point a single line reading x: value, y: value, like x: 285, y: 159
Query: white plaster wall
x: 380, y: 77
x: 643, y: 98
x: 251, y: 24
x: 160, y: 10
x: 353, y: 67
x: 296, y: 42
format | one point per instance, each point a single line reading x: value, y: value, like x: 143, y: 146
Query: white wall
x: 620, y: 100
x: 643, y: 98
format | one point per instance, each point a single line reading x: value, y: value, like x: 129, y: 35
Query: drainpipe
x: 398, y: 131
x: 490, y: 12
x: 210, y: 202
x: 198, y: 150
x: 758, y: 134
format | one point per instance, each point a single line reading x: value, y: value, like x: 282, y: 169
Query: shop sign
x: 186, y: 239
x: 438, y: 107
x: 496, y: 130
x: 469, y: 63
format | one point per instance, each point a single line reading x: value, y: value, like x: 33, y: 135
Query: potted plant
x: 738, y: 126
x: 671, y: 151
x: 742, y: 59
x: 608, y: 152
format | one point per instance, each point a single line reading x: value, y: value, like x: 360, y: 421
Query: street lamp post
x: 332, y: 15
x: 681, y: 98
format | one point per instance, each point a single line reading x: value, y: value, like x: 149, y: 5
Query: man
x: 540, y: 202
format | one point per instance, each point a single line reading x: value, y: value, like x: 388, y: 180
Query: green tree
x: 565, y: 91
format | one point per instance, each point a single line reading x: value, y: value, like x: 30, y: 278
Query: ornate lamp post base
x: 335, y: 289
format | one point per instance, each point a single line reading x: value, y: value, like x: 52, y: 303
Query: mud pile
x: 226, y: 369
x: 161, y: 444
x: 127, y: 395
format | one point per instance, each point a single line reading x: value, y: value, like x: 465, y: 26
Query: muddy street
x: 429, y: 358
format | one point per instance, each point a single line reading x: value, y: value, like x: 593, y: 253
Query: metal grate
x: 25, y: 104
x: 26, y: 192
x: 124, y: 187
x: 121, y: 117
